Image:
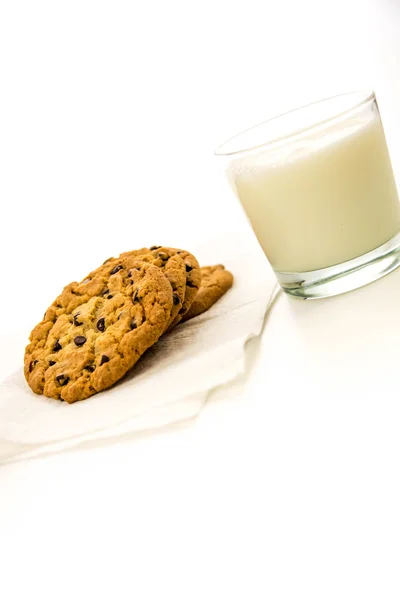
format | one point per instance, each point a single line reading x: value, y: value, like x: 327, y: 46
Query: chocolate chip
x: 154, y: 247
x: 32, y: 365
x: 76, y: 322
x: 109, y: 297
x: 105, y: 292
x: 120, y: 315
x: 58, y: 306
x: 57, y: 346
x: 80, y: 340
x: 163, y: 256
x: 89, y: 368
x: 51, y: 363
x: 116, y: 269
x: 62, y: 379
x: 135, y: 297
x: 182, y: 311
x: 104, y: 359
x: 87, y: 280
x: 176, y: 299
x: 188, y: 268
x: 101, y: 325
x: 190, y: 284
x: 133, y: 324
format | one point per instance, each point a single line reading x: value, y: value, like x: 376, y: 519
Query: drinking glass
x: 318, y: 188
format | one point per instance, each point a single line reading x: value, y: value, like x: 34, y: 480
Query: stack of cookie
x: 96, y: 330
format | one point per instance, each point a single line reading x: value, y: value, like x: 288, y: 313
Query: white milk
x: 323, y: 199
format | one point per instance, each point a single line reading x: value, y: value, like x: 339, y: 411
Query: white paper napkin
x: 169, y: 384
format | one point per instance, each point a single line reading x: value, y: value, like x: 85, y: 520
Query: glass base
x: 344, y: 277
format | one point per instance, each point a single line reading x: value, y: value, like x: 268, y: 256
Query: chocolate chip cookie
x: 96, y: 330
x: 174, y: 269
x: 193, y: 276
x: 185, y: 290
x: 215, y: 282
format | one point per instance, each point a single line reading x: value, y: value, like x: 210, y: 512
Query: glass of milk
x: 318, y: 188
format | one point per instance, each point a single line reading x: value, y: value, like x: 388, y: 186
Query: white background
x: 288, y: 484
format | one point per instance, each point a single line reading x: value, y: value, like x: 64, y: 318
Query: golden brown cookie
x: 174, y: 269
x: 163, y: 257
x: 96, y: 330
x: 215, y: 282
x: 193, y: 276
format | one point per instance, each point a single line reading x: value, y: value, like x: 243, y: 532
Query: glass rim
x: 366, y: 97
